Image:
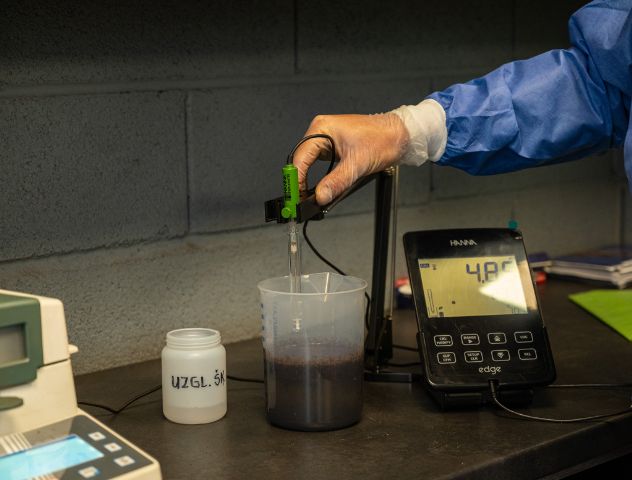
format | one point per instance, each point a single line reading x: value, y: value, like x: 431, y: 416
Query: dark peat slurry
x: 315, y: 387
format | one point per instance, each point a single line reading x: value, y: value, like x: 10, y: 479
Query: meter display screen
x: 45, y: 459
x: 12, y: 344
x: 472, y: 286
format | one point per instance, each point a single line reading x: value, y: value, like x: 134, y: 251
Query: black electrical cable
x: 243, y: 379
x: 592, y: 385
x: 408, y: 364
x: 152, y: 390
x: 290, y: 157
x: 493, y: 388
x: 316, y: 252
x: 125, y: 405
x: 319, y: 255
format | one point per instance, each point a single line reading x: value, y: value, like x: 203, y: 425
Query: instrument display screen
x: 12, y: 344
x: 473, y: 286
x: 47, y: 458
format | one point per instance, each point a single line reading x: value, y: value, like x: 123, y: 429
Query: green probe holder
x: 291, y: 195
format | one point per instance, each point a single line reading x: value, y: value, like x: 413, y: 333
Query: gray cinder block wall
x: 139, y: 140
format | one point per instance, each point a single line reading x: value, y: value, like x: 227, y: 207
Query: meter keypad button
x: 443, y: 340
x: 112, y: 447
x: 446, y: 357
x: 474, y: 357
x: 527, y: 354
x: 470, y: 339
x: 523, y: 337
x: 89, y: 472
x: 124, y: 461
x: 96, y: 436
x: 496, y: 338
x: 500, y: 355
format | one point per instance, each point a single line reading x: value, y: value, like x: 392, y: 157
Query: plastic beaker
x: 313, y: 344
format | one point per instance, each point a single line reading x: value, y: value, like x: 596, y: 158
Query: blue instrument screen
x: 47, y: 458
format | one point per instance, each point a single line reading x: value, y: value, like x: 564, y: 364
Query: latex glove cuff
x: 426, y: 125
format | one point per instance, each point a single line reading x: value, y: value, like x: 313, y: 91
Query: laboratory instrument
x: 194, y: 376
x: 42, y: 432
x: 313, y: 345
x: 478, y: 316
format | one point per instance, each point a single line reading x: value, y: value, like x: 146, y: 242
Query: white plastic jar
x: 194, y: 376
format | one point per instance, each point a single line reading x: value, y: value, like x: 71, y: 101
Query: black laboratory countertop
x: 402, y: 433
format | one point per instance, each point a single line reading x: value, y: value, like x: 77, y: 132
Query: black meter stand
x: 478, y: 316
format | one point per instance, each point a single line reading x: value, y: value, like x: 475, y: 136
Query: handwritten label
x: 179, y: 382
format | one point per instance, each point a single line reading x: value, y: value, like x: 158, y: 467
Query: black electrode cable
x: 290, y: 157
x: 243, y: 379
x: 320, y: 256
x: 493, y: 389
x: 317, y: 253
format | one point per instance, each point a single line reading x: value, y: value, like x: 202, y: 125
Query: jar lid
x: 193, y: 337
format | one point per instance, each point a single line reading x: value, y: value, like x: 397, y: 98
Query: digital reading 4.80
x: 472, y: 286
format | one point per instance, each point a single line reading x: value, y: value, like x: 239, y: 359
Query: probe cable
x: 367, y: 311
x: 320, y: 256
x: 290, y: 157
x: 494, y: 391
x: 243, y: 379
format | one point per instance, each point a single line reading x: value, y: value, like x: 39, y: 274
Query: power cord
x: 493, y: 386
x: 592, y: 385
x: 118, y: 410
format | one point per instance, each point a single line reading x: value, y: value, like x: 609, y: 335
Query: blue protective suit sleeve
x: 557, y: 106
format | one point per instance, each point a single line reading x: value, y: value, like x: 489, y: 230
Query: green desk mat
x: 613, y: 307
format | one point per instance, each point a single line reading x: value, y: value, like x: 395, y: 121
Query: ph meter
x: 478, y: 315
